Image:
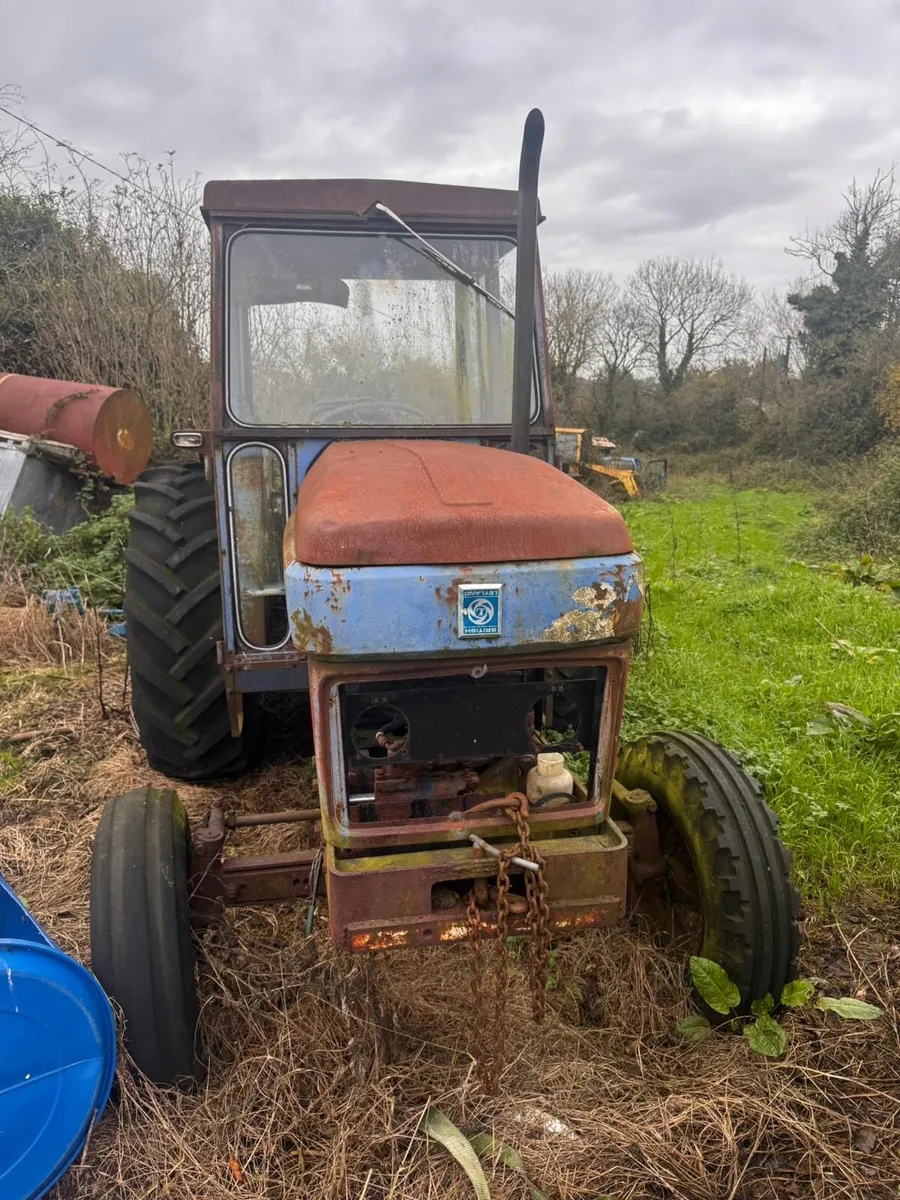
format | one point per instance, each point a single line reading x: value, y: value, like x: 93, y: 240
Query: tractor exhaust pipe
x: 526, y: 263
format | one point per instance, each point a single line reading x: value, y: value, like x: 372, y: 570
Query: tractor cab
x: 356, y: 311
x: 378, y: 518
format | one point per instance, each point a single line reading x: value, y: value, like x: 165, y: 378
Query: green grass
x: 741, y: 650
x: 89, y: 556
x: 10, y: 768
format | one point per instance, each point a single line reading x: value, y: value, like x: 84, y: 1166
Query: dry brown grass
x: 320, y: 1067
x: 30, y: 635
x: 13, y: 589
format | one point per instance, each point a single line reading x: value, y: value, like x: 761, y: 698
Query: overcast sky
x: 706, y: 126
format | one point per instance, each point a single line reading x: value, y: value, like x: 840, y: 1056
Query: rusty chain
x: 501, y: 978
x: 536, y: 892
x: 490, y: 1042
x: 473, y: 917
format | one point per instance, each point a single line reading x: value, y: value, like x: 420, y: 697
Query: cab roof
x: 318, y: 198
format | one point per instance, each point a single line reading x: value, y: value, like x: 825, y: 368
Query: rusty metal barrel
x: 110, y: 426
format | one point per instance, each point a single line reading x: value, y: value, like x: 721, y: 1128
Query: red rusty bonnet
x: 391, y: 503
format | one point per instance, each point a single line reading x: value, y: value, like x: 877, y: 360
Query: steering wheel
x: 373, y: 412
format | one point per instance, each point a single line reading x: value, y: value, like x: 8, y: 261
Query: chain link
x: 479, y: 1015
x: 490, y: 1043
x: 501, y: 978
x: 536, y: 892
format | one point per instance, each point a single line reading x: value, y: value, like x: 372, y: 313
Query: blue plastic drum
x: 57, y: 1055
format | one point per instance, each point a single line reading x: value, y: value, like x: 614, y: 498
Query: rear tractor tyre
x: 726, y: 862
x: 173, y: 606
x: 141, y: 947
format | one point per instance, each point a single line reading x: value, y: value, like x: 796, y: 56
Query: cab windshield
x: 364, y: 329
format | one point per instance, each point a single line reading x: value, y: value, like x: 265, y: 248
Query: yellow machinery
x: 615, y: 479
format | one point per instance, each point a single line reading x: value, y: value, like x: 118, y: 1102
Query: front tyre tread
x: 141, y: 947
x: 743, y: 871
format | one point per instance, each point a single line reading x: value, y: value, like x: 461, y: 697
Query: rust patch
x: 593, y: 621
x: 589, y: 919
x: 379, y: 939
x: 457, y: 932
x: 307, y: 636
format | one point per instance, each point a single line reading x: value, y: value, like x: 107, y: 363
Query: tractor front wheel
x: 141, y: 947
x: 727, y: 875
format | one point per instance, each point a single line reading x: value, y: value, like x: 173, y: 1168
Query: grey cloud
x: 652, y: 146
x: 692, y: 173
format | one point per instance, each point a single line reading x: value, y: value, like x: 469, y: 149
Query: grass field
x: 748, y: 647
x: 321, y: 1068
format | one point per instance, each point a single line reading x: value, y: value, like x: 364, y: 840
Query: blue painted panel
x: 305, y: 454
x: 362, y: 612
x: 228, y: 598
x: 610, y: 460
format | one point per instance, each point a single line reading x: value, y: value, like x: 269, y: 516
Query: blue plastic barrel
x: 57, y: 1055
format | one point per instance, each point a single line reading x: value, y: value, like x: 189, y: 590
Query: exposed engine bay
x: 431, y: 747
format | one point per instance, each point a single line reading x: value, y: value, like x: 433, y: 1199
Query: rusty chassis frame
x: 380, y: 877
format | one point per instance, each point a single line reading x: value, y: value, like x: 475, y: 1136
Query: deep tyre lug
x: 173, y: 605
x: 712, y: 812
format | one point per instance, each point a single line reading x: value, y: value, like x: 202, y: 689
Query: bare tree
x: 621, y: 348
x: 576, y: 303
x: 131, y: 302
x: 866, y: 229
x: 779, y: 332
x: 15, y: 142
x: 688, y: 313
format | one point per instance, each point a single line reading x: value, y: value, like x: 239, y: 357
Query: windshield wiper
x: 445, y: 263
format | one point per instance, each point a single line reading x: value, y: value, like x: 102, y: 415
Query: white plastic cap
x: 549, y: 764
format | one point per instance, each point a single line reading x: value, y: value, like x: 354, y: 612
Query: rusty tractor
x: 375, y: 516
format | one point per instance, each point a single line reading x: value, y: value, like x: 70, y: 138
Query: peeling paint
x: 373, y: 612
x: 638, y: 577
x: 594, y: 621
x: 598, y: 595
x: 308, y: 636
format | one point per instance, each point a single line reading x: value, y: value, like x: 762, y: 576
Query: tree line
x: 108, y: 282
x: 685, y: 354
